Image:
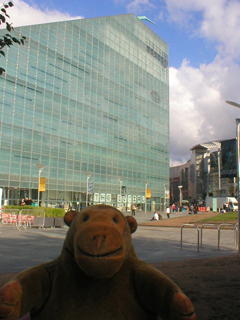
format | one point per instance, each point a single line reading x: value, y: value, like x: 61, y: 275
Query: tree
x: 7, y: 39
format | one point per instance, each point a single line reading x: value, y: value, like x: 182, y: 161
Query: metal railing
x: 24, y: 218
x: 190, y: 225
x: 212, y: 225
x: 235, y: 228
x: 9, y: 216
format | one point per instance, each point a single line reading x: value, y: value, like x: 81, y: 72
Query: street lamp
x: 165, y: 199
x: 238, y: 166
x: 180, y: 195
x: 120, y: 179
x: 146, y: 183
x: 234, y: 104
x: 88, y: 174
x: 40, y: 169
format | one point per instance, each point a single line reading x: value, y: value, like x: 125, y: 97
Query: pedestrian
x: 168, y: 212
x: 195, y: 208
x: 133, y: 208
x: 155, y: 216
x: 191, y: 209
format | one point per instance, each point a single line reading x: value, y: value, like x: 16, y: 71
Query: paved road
x: 22, y: 249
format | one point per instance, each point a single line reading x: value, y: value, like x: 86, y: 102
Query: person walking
x: 168, y: 212
x: 133, y: 208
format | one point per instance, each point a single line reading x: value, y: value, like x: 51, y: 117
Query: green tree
x: 7, y: 39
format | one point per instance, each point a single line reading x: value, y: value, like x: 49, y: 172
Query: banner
x: 229, y: 163
x: 167, y: 195
x: 148, y: 194
x: 42, y: 187
x: 90, y: 188
x: 1, y: 192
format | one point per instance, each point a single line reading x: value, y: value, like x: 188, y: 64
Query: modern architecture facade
x: 211, y: 171
x: 85, y: 97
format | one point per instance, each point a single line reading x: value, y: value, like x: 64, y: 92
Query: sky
x: 204, y: 58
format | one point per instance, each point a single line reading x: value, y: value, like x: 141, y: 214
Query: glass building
x: 88, y: 96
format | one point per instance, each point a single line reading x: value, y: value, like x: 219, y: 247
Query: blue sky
x: 204, y: 58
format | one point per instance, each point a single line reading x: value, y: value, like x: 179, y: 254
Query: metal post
x: 146, y: 183
x: 88, y: 174
x: 39, y: 172
x: 120, y: 179
x: 208, y: 171
x: 40, y: 169
x: 165, y: 206
x: 232, y: 103
x: 219, y: 170
x: 238, y: 177
x: 180, y: 196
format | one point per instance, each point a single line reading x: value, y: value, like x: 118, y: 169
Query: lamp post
x: 88, y: 174
x: 180, y: 196
x: 40, y: 169
x: 146, y: 183
x: 238, y: 166
x: 165, y: 199
x: 120, y: 179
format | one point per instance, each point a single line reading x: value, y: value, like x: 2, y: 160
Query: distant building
x: 88, y: 95
x: 212, y: 170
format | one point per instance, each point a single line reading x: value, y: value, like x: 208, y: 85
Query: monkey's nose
x: 98, y: 241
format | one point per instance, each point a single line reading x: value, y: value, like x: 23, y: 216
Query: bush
x: 49, y: 212
x: 54, y: 212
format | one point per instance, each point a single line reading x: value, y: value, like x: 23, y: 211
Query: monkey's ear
x: 69, y: 216
x: 132, y: 223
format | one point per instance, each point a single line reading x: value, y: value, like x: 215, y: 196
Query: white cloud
x: 220, y: 21
x: 22, y: 14
x: 136, y: 6
x: 198, y: 112
x: 139, y: 6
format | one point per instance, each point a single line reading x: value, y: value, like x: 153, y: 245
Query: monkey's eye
x: 115, y: 220
x: 85, y: 218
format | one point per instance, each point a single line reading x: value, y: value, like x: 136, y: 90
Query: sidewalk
x: 154, y: 241
x: 175, y: 220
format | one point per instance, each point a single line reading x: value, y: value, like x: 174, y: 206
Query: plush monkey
x: 97, y: 276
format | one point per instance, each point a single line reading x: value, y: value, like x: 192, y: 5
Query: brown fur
x: 97, y: 276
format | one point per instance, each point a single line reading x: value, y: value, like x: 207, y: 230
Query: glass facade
x: 88, y: 95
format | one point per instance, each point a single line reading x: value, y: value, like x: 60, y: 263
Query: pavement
x: 154, y: 241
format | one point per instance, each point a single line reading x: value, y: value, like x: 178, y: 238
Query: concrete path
x: 153, y: 242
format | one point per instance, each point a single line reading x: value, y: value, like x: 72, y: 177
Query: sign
x: 42, y: 187
x: 124, y: 190
x: 102, y: 198
x: 96, y: 197
x: 90, y: 188
x: 214, y: 204
x: 148, y: 193
x: 229, y: 164
x: 167, y: 194
x: 108, y: 197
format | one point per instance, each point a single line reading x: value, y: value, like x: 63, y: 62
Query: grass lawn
x: 225, y: 217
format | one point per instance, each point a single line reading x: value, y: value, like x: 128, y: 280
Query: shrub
x: 49, y: 212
